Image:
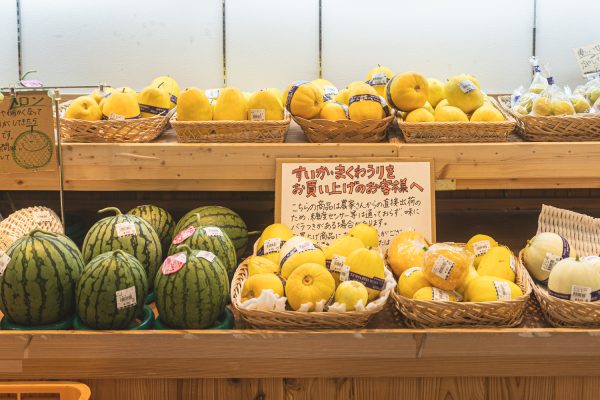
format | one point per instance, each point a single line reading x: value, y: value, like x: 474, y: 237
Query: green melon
x: 108, y: 277
x: 38, y: 284
x: 143, y: 245
x: 194, y: 296
x: 160, y: 219
x: 213, y: 239
x: 229, y: 221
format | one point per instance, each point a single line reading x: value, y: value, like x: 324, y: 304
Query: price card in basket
x: 588, y: 59
x: 324, y: 198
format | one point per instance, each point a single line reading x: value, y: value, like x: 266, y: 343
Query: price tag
x: 550, y: 261
x: 330, y: 90
x: 305, y: 246
x: 411, y: 271
x: 213, y: 231
x: 125, y: 229
x: 337, y: 263
x: 440, y: 295
x: 207, y: 255
x: 126, y: 298
x: 502, y: 290
x: 442, y: 267
x: 116, y: 117
x: 481, y: 247
x: 344, y: 273
x: 581, y: 293
x: 42, y: 216
x: 256, y: 114
x: 466, y: 86
x: 4, y: 260
x: 173, y: 263
x: 378, y: 79
x: 272, y: 245
x: 184, y: 234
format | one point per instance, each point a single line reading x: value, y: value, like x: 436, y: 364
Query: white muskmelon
x: 542, y: 253
x: 574, y: 279
x: 297, y: 251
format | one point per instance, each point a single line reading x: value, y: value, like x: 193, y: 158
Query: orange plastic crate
x: 53, y: 390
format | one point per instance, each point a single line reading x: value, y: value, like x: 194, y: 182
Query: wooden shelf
x: 166, y: 165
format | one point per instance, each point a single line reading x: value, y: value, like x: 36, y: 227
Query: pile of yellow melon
x: 124, y: 103
x: 481, y: 271
x: 350, y: 271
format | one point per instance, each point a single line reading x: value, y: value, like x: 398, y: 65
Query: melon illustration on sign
x: 32, y: 149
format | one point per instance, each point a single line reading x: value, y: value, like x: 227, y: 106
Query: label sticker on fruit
x: 305, y: 246
x: 411, y: 271
x: 213, y: 231
x: 344, y: 273
x: 502, y: 290
x: 125, y: 229
x: 337, y: 263
x: 481, y: 247
x: 4, y: 260
x: 581, y: 293
x: 439, y: 295
x: 271, y: 246
x: 116, y: 117
x: 126, y: 298
x: 513, y: 264
x: 466, y: 86
x: 42, y: 216
x: 330, y: 90
x: 256, y: 114
x: 550, y: 261
x: 207, y: 255
x: 173, y: 263
x: 184, y: 234
x: 378, y: 79
x: 442, y: 267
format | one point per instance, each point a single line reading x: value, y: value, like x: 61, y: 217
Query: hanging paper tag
x: 256, y: 114
x: 125, y: 229
x: 272, y: 246
x: 42, y: 216
x: 337, y: 263
x: 207, y: 255
x: 442, y: 267
x: 502, y: 290
x: 440, y: 295
x: 411, y: 271
x: 481, y: 247
x: 581, y: 293
x: 550, y: 261
x: 4, y: 260
x: 173, y: 263
x: 184, y: 234
x: 126, y: 298
x: 213, y: 231
x: 466, y: 86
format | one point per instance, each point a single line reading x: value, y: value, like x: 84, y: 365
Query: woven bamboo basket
x: 140, y: 130
x: 431, y: 314
x: 345, y: 131
x: 583, y: 234
x: 230, y: 131
x: 459, y: 132
x: 23, y: 221
x: 555, y: 128
x: 294, y: 319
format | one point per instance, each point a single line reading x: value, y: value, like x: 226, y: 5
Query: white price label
x: 581, y: 293
x: 502, y: 290
x: 411, y: 271
x: 513, y: 264
x: 330, y: 90
x: 125, y: 229
x: 257, y: 114
x: 378, y: 79
x: 442, y: 267
x: 272, y: 246
x: 344, y: 273
x: 213, y: 231
x: 42, y: 216
x: 481, y: 247
x: 305, y: 246
x: 337, y: 263
x: 550, y: 261
x: 207, y: 255
x: 4, y: 260
x: 126, y: 298
x: 440, y: 295
x: 466, y: 86
x: 116, y: 117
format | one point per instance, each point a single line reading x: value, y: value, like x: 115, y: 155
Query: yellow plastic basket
x: 53, y: 390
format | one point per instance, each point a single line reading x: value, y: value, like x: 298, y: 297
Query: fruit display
x: 191, y: 289
x: 39, y: 278
x: 111, y: 291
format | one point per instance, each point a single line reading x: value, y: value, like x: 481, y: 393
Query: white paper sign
x: 4, y: 260
x: 323, y: 199
x: 588, y: 58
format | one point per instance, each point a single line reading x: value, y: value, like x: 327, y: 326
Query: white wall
x: 273, y: 42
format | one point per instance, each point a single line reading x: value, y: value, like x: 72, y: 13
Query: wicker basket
x: 459, y: 132
x: 294, y: 319
x: 230, y: 131
x: 583, y: 234
x: 141, y: 130
x: 345, y: 131
x: 431, y: 314
x: 24, y: 221
x: 555, y: 128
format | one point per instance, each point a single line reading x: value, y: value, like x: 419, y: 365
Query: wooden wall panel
x: 308, y: 389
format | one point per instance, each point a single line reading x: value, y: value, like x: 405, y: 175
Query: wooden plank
x: 454, y: 389
x: 526, y: 388
x: 319, y: 388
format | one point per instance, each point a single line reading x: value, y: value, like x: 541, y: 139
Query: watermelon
x: 209, y: 238
x: 229, y: 221
x: 38, y: 282
x: 126, y: 232
x: 191, y: 289
x: 111, y: 291
x: 160, y: 219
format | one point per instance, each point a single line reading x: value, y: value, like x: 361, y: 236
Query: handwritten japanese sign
x: 588, y: 58
x: 323, y: 198
x: 26, y: 133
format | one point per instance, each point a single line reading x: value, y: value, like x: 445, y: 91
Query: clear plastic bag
x: 538, y: 83
x: 580, y: 103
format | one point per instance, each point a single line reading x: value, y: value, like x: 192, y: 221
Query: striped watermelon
x: 160, y: 219
x: 209, y: 238
x: 191, y: 289
x: 38, y: 284
x: 111, y: 291
x: 229, y: 221
x: 129, y: 233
